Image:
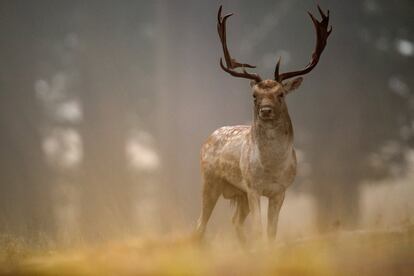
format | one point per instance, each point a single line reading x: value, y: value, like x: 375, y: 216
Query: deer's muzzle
x: 266, y: 112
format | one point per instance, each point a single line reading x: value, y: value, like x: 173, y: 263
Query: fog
x: 105, y: 105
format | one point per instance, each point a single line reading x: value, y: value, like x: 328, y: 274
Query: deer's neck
x: 273, y: 139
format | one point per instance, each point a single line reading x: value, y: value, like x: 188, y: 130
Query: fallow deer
x: 245, y: 162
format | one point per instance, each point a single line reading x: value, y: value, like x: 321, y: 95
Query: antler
x: 322, y: 33
x: 230, y: 62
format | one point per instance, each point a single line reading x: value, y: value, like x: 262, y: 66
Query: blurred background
x: 105, y: 104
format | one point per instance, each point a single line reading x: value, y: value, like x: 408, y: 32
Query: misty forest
x: 105, y: 106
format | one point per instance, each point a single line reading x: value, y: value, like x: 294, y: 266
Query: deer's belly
x: 229, y: 171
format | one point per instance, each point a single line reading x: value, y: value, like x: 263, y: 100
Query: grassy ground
x: 341, y: 253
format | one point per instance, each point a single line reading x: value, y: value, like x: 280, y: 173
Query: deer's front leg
x: 275, y: 203
x: 253, y: 198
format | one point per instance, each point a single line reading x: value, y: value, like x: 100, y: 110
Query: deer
x: 245, y: 162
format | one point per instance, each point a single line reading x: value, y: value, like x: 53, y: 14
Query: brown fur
x: 243, y: 163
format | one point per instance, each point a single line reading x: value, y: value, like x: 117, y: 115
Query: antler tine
x: 322, y: 34
x: 230, y: 62
x: 277, y: 68
x: 322, y: 13
x: 243, y: 74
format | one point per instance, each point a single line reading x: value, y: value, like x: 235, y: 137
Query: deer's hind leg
x: 212, y: 189
x: 242, y: 210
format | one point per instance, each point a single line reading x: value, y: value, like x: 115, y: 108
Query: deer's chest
x: 270, y: 176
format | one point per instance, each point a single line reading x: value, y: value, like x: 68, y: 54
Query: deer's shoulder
x: 229, y: 132
x: 227, y: 138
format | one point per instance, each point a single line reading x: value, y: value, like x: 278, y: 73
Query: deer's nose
x: 266, y: 111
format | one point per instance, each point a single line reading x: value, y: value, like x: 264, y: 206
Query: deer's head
x: 269, y: 95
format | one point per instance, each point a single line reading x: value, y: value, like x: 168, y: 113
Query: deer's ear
x: 252, y: 83
x: 292, y: 84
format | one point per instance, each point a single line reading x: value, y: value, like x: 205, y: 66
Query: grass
x: 340, y: 253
